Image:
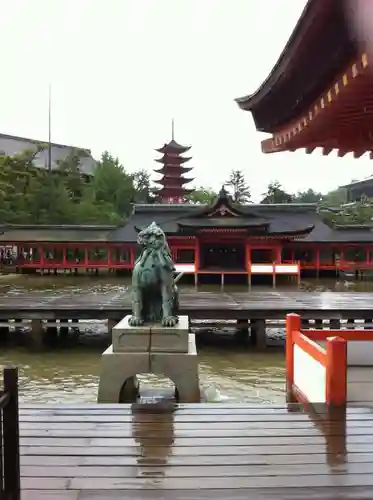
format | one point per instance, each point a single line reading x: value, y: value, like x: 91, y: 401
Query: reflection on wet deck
x: 169, y: 451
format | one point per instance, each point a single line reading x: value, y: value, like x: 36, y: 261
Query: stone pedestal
x: 169, y: 352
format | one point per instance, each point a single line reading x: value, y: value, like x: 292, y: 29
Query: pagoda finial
x: 173, y: 130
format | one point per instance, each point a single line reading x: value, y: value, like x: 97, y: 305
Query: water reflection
x: 332, y: 422
x: 153, y: 431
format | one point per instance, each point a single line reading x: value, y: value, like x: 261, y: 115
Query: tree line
x: 331, y: 205
x: 30, y: 195
x: 239, y: 190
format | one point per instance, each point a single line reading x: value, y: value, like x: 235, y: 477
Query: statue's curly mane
x: 155, y: 249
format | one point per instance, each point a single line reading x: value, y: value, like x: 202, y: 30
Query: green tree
x: 309, y: 196
x: 143, y: 191
x: 359, y: 213
x: 334, y: 198
x: 276, y: 194
x: 113, y: 186
x: 239, y: 188
x: 69, y: 170
x: 201, y: 196
x: 50, y: 202
x: 92, y: 211
x: 19, y: 181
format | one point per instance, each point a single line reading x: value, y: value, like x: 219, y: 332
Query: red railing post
x: 293, y: 323
x: 336, y: 371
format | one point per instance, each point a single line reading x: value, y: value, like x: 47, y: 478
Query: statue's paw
x: 169, y: 321
x: 135, y: 321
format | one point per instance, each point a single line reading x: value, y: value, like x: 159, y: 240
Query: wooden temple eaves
x: 339, y: 120
x: 319, y: 94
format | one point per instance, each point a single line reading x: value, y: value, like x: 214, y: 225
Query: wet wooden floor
x: 197, y: 304
x: 195, y: 452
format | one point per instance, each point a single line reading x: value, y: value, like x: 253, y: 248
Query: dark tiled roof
x: 362, y: 182
x: 48, y: 233
x: 282, y: 218
x: 173, y: 147
x: 166, y: 216
x: 228, y: 222
x: 173, y: 160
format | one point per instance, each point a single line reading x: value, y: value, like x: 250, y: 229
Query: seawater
x: 71, y: 374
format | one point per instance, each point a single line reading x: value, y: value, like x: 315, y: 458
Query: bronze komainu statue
x: 155, y: 296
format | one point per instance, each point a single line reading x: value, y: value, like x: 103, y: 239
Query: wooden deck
x: 192, y: 452
x: 360, y: 383
x: 197, y: 304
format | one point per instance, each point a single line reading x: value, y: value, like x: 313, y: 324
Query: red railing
x: 315, y: 374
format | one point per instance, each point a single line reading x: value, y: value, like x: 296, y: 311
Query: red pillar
x: 41, y: 251
x: 342, y: 258
x: 174, y: 253
x: 317, y: 258
x: 293, y: 324
x: 109, y: 256
x: 85, y: 256
x: 247, y: 256
x: 196, y: 255
x: 336, y: 371
x: 278, y: 254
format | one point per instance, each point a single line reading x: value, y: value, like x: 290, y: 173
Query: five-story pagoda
x: 172, y: 170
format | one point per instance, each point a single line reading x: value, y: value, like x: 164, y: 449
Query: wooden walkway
x: 197, y: 304
x: 193, y: 452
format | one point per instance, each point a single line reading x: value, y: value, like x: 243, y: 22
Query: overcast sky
x: 121, y: 69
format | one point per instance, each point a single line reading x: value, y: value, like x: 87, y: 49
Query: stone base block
x: 126, y: 338
x: 120, y: 368
x: 170, y: 339
x: 151, y: 337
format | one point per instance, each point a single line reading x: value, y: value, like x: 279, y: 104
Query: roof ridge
x: 38, y: 141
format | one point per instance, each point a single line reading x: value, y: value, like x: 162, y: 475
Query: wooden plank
x: 196, y: 471
x: 182, y: 471
x: 117, y: 412
x: 195, y: 451
x: 165, y: 431
x: 53, y: 495
x: 161, y: 409
x: 186, y: 460
x: 105, y: 483
x: 319, y: 493
x: 182, y: 418
x: 199, y: 305
x: 247, y: 426
x: 88, y: 407
x: 185, y: 442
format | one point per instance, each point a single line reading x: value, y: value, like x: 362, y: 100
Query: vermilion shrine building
x: 222, y: 239
x: 318, y: 95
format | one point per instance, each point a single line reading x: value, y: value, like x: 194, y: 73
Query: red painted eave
x: 338, y: 120
x: 287, y: 59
